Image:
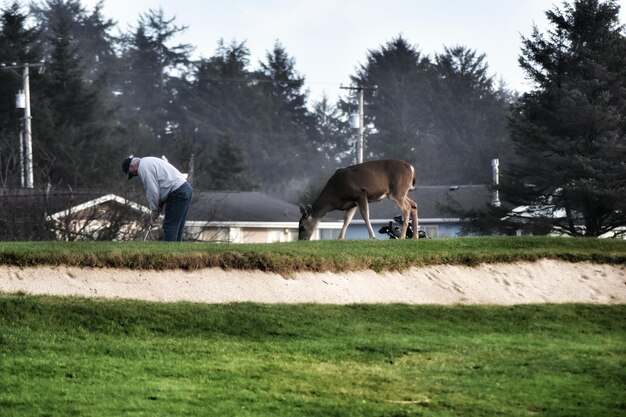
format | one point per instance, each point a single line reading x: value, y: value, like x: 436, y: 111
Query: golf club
x: 147, y: 233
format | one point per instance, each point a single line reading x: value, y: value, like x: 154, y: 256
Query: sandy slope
x: 519, y: 283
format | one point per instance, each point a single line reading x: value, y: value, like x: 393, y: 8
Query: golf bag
x: 394, y: 228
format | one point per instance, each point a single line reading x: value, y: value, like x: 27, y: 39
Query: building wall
x: 269, y: 235
x: 95, y: 229
x: 328, y: 231
x: 441, y: 230
x: 226, y: 234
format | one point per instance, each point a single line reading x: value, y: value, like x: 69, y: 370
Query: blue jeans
x: 176, y: 207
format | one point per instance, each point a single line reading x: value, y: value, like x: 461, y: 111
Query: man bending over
x: 165, y: 187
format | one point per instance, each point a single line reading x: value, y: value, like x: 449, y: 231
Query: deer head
x: 307, y: 223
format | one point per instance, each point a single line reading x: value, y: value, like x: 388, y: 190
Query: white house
x: 109, y: 217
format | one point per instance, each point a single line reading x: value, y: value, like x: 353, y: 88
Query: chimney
x: 495, y: 163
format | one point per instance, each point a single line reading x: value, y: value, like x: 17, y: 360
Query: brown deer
x: 355, y: 186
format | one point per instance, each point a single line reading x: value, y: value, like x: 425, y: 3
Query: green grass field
x: 312, y: 256
x: 92, y: 357
x: 69, y: 356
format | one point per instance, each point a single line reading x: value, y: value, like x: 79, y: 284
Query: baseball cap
x: 126, y: 165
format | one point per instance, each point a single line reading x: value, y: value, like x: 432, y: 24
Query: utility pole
x: 28, y: 133
x: 361, y: 121
x: 495, y: 169
x: 26, y: 138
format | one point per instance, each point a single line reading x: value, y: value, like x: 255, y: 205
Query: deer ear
x: 306, y: 210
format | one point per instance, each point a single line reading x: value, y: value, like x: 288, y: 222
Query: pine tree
x: 221, y: 102
x: 73, y: 130
x: 223, y: 97
x: 97, y: 45
x: 470, y: 117
x: 570, y: 131
x: 444, y: 116
x: 284, y: 84
x: 400, y: 106
x: 333, y: 143
x: 228, y: 169
x: 284, y: 142
x: 149, y: 100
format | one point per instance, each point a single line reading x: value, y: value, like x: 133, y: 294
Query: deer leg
x: 405, y: 209
x: 365, y: 213
x: 413, y: 210
x: 347, y: 218
x: 405, y: 220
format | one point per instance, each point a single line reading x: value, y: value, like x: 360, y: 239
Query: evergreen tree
x: 283, y: 143
x: 228, y: 169
x: 224, y: 88
x: 97, y: 46
x: 284, y: 85
x: 470, y: 117
x: 224, y: 96
x: 333, y: 144
x: 73, y: 132
x: 399, y: 107
x: 570, y: 131
x: 444, y: 116
x: 222, y: 102
x: 150, y: 87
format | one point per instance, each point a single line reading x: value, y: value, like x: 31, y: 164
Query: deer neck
x: 320, y: 208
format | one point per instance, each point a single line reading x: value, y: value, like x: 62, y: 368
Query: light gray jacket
x: 159, y: 179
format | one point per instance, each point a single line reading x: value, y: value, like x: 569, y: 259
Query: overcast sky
x: 330, y: 38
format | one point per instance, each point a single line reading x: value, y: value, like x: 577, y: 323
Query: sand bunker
x: 547, y: 281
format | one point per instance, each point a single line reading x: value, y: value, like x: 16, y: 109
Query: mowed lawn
x: 84, y: 357
x: 315, y: 256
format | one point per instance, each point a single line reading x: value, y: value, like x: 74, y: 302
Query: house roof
x: 241, y: 206
x: 252, y: 206
x: 432, y: 199
x: 97, y: 201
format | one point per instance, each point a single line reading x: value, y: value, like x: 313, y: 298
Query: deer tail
x: 412, y: 175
